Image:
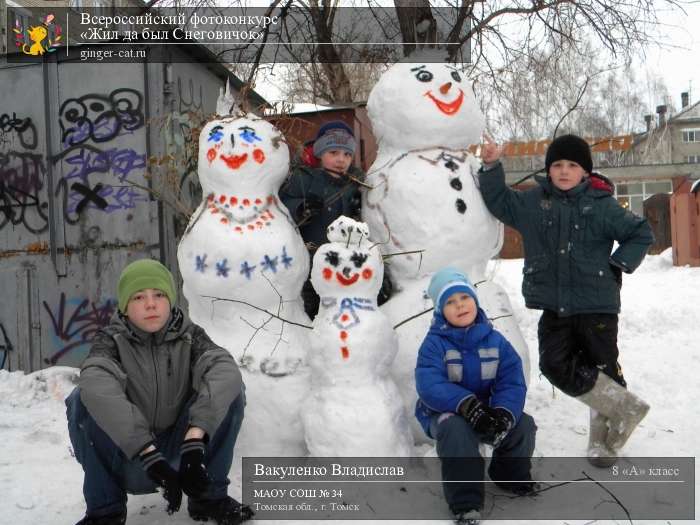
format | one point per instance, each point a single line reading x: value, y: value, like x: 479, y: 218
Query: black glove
x: 479, y: 416
x: 194, y: 477
x: 504, y: 422
x: 164, y: 476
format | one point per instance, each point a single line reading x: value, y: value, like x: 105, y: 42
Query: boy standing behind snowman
x: 471, y: 390
x: 322, y: 187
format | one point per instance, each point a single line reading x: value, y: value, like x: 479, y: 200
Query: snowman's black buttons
x: 456, y: 184
x: 461, y: 206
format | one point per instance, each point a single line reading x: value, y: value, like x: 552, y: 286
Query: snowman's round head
x: 241, y: 155
x: 348, y: 265
x: 420, y: 105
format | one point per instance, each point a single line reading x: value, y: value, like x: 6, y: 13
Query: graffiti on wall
x: 74, y: 323
x: 96, y: 173
x: 22, y: 175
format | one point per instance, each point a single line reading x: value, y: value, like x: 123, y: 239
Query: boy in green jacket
x: 569, y: 222
x: 158, y: 404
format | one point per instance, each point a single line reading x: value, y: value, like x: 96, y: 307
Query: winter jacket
x: 135, y: 384
x: 340, y: 196
x: 457, y: 363
x: 568, y: 238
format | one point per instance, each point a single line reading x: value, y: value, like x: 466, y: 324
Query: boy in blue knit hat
x: 323, y: 186
x: 471, y: 390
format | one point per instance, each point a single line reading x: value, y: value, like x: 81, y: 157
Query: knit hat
x: 446, y: 282
x: 334, y: 135
x: 569, y: 147
x: 142, y: 274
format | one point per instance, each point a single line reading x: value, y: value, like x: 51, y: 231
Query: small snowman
x: 241, y: 246
x: 354, y: 407
x: 425, y: 198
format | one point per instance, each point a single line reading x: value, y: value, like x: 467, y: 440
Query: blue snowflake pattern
x: 269, y: 264
x: 201, y: 263
x: 222, y: 269
x: 247, y: 270
x: 248, y: 134
x: 286, y: 259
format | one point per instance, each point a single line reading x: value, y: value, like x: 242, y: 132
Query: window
x: 693, y: 159
x: 632, y: 195
x: 691, y: 135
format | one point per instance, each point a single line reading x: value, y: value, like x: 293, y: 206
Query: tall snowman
x: 425, y: 198
x: 354, y: 407
x: 242, y: 260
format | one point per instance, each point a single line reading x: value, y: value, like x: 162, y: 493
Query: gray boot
x: 623, y: 409
x: 599, y: 455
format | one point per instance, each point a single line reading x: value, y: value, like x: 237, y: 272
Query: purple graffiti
x: 75, y: 323
x: 109, y: 199
x: 121, y: 162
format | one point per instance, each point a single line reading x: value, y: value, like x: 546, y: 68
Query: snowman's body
x: 425, y: 197
x: 354, y: 407
x: 241, y: 246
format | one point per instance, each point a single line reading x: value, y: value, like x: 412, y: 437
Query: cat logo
x: 37, y: 35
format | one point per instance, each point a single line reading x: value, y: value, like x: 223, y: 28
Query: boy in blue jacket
x: 471, y: 390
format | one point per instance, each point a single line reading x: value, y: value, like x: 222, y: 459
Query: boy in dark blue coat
x: 471, y: 390
x: 323, y: 186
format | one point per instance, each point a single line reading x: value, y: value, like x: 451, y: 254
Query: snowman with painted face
x: 241, y: 245
x: 425, y: 197
x: 354, y: 407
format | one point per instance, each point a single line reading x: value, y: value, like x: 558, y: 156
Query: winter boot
x: 469, y: 517
x: 224, y: 511
x: 623, y: 409
x: 111, y: 519
x: 599, y: 455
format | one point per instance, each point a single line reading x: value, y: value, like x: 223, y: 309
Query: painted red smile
x: 448, y: 108
x: 344, y: 281
x: 234, y: 161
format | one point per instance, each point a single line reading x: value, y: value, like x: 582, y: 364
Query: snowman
x: 354, y: 407
x: 425, y: 199
x: 242, y: 247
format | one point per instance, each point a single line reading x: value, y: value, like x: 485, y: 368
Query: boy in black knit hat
x: 569, y: 223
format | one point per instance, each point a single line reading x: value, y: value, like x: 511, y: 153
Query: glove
x: 479, y: 416
x: 164, y: 476
x: 194, y: 477
x: 504, y: 422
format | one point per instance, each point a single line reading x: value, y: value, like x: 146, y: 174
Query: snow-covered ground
x: 40, y: 481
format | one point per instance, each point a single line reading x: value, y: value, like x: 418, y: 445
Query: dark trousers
x: 109, y: 474
x: 458, y: 449
x: 573, y: 349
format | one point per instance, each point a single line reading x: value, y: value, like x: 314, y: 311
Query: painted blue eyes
x: 215, y: 134
x: 248, y: 134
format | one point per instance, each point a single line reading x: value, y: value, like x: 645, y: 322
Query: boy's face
x: 566, y: 174
x: 337, y: 160
x: 148, y: 309
x: 460, y: 309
